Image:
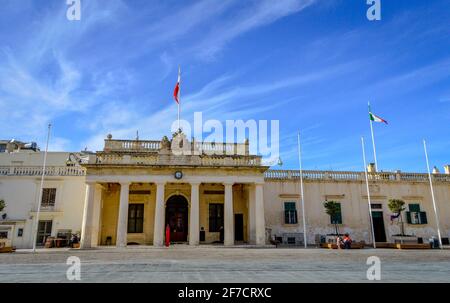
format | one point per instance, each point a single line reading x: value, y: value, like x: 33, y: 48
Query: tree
x: 333, y: 208
x: 2, y: 205
x: 397, y: 206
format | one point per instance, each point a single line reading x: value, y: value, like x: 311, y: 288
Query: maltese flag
x: 176, y: 91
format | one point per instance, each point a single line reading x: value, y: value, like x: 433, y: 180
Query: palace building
x: 128, y: 193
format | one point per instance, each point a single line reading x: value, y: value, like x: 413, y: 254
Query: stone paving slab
x: 219, y: 264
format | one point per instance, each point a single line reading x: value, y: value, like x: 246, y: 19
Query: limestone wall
x: 353, y: 198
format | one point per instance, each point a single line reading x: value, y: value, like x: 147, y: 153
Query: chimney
x: 447, y: 169
x: 436, y: 170
x: 371, y: 168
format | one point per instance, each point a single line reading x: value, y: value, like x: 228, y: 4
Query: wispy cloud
x: 219, y: 99
x: 259, y: 13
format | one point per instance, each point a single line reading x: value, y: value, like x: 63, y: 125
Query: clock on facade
x: 178, y: 175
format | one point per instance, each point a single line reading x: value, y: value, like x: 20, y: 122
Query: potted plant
x: 332, y: 208
x: 397, y: 206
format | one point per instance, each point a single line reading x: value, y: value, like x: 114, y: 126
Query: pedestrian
x: 347, y: 241
x: 167, y: 235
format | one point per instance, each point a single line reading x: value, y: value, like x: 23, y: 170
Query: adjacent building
x: 132, y: 190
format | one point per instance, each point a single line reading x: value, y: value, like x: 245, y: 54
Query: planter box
x: 413, y: 246
x: 405, y: 240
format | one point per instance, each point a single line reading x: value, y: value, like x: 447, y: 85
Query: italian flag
x: 375, y: 118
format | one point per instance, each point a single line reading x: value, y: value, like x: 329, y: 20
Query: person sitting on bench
x: 347, y: 241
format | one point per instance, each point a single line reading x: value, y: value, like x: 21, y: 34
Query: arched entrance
x: 177, y: 218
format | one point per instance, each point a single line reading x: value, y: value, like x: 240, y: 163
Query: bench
x: 354, y: 245
x: 6, y: 249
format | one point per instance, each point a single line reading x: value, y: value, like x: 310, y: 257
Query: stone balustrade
x: 169, y: 159
x: 275, y: 175
x: 281, y: 175
x: 132, y: 145
x: 146, y: 146
x: 37, y: 171
x: 210, y: 148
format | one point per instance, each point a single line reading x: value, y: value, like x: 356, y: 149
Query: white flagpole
x: 432, y: 195
x: 368, y: 193
x: 39, y: 201
x: 302, y: 195
x: 373, y: 142
x: 179, y: 95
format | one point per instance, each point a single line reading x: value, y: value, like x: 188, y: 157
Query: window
x: 48, y: 197
x: 135, y: 218
x: 376, y: 206
x: 3, y: 235
x: 415, y: 216
x: 215, y: 217
x: 337, y: 218
x: 44, y: 231
x: 290, y: 213
x: 291, y: 240
x: 20, y: 232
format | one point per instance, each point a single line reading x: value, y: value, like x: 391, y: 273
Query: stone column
x: 194, y: 220
x: 251, y: 215
x: 228, y: 215
x: 97, y: 210
x: 86, y: 225
x: 260, y: 224
x: 158, y: 233
x: 122, y: 223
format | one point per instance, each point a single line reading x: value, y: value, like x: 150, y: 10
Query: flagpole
x: 373, y: 142
x: 368, y: 193
x: 432, y: 195
x: 302, y: 196
x: 179, y: 95
x: 39, y: 200
x: 178, y: 116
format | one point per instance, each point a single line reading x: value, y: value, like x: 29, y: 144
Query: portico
x: 132, y: 203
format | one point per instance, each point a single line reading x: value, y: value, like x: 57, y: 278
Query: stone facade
x: 129, y: 192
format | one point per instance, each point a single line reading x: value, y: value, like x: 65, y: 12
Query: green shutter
x: 414, y: 208
x: 377, y: 214
x: 408, y: 217
x: 423, y: 217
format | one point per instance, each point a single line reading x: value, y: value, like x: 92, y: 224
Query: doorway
x: 378, y: 226
x: 44, y: 231
x: 238, y: 227
x: 177, y: 218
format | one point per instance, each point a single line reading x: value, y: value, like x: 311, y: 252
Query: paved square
x: 218, y: 264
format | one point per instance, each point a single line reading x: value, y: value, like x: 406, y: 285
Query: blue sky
x: 312, y: 64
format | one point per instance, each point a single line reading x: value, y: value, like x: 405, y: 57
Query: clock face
x: 178, y: 175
